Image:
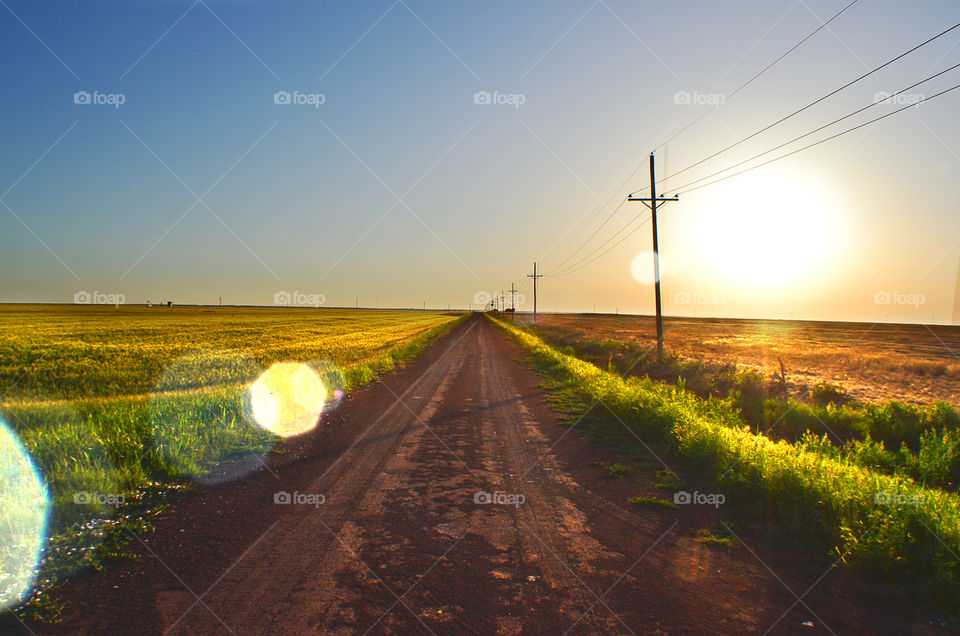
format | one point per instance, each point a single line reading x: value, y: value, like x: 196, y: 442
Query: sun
x: 767, y: 231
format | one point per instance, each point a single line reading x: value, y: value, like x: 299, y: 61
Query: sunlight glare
x: 287, y: 399
x: 768, y: 231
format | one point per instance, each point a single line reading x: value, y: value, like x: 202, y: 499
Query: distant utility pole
x: 653, y: 203
x: 534, y: 276
x: 513, y: 298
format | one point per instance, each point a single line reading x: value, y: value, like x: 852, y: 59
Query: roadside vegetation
x: 901, y: 521
x: 921, y: 442
x: 119, y: 407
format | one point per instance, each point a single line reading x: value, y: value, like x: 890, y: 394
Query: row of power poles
x: 499, y: 303
x: 653, y: 202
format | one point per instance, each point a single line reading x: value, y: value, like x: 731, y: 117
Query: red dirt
x: 401, y: 546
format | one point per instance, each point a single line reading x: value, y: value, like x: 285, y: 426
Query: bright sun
x: 767, y: 230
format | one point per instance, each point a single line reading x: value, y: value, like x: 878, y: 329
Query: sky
x: 402, y: 153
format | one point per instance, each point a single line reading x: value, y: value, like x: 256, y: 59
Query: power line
x: 816, y: 101
x: 605, y: 206
x: 817, y: 143
x: 640, y: 165
x: 590, y: 238
x: 762, y: 71
x: 816, y: 130
x: 578, y: 266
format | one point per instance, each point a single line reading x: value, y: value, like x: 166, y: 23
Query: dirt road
x: 390, y: 528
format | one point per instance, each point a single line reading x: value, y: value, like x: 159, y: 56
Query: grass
x: 876, y: 363
x: 641, y: 500
x: 885, y: 523
x: 131, y: 401
x: 710, y: 537
x: 613, y: 470
x: 916, y: 441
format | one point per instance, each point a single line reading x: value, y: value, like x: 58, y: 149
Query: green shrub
x: 824, y: 393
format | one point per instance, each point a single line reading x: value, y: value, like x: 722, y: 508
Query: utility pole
x: 513, y: 298
x: 653, y: 203
x: 534, y: 276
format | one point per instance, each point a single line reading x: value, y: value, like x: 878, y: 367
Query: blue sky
x: 400, y: 189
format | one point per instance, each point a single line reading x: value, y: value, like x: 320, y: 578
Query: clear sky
x: 399, y: 188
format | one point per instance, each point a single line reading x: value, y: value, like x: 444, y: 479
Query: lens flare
x: 287, y: 399
x: 641, y: 268
x: 23, y: 519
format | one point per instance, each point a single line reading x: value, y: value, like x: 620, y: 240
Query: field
x: 113, y: 404
x: 916, y: 364
x: 871, y: 502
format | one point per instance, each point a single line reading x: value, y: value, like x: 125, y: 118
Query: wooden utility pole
x: 534, y: 276
x: 513, y: 298
x: 653, y: 202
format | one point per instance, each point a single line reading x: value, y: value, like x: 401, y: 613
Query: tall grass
x: 194, y: 422
x: 840, y: 503
x: 894, y: 437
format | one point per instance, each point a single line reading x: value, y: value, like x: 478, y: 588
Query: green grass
x: 709, y: 537
x: 613, y: 470
x: 836, y: 504
x: 641, y: 500
x: 127, y: 401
